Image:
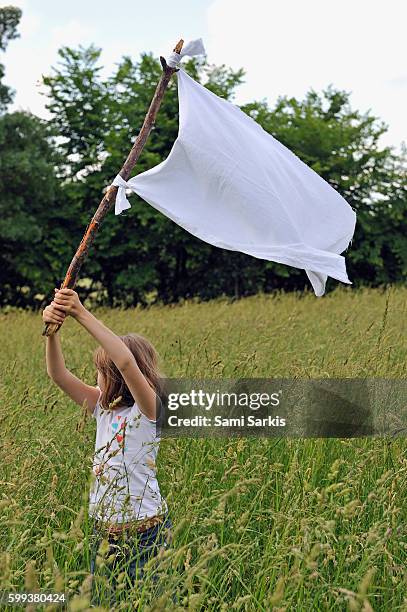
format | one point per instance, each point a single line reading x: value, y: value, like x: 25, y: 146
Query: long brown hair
x: 114, y: 384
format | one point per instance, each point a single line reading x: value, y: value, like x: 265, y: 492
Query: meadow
x: 259, y: 524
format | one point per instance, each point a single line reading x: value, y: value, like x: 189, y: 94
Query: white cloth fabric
x: 194, y: 47
x: 121, y: 202
x: 233, y: 185
x: 128, y: 474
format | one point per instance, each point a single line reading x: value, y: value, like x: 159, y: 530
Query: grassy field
x: 259, y: 524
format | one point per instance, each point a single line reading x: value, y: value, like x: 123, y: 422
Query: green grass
x: 259, y: 524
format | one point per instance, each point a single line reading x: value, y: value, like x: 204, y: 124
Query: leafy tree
x: 9, y: 19
x: 148, y: 255
x: 34, y: 229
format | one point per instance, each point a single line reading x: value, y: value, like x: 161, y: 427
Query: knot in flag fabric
x: 232, y: 184
x: 194, y: 47
x: 122, y: 202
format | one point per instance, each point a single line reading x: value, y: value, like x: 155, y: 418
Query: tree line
x: 53, y: 173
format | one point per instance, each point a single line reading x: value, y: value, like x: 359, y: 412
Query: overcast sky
x: 286, y: 47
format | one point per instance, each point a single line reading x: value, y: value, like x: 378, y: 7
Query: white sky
x: 286, y: 47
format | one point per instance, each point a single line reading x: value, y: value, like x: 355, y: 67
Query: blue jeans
x: 131, y: 554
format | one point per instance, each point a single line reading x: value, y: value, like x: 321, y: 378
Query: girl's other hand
x: 68, y: 301
x: 52, y: 314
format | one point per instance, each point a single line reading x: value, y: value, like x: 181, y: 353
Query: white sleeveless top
x: 125, y: 486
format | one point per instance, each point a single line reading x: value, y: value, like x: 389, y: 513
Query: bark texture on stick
x: 109, y: 198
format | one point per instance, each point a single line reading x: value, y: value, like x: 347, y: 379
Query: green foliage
x: 147, y: 257
x: 32, y: 229
x: 9, y: 19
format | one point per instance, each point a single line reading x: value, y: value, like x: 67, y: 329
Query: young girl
x: 125, y: 498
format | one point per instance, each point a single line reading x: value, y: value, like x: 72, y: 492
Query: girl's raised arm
x: 68, y: 301
x: 75, y: 388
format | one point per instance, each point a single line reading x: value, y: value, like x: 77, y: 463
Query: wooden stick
x: 109, y: 197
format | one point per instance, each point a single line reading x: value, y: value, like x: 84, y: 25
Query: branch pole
x: 108, y: 199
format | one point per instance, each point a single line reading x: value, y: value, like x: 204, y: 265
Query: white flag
x: 233, y: 185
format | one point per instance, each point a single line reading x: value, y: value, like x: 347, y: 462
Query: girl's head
x: 110, y: 380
